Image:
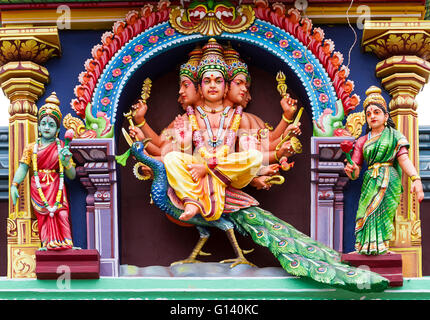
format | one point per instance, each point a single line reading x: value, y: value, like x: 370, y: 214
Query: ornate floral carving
x: 26, y: 50
x: 211, y: 19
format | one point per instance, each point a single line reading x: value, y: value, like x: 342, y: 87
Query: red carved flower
x: 297, y: 54
x: 153, y: 39
x: 347, y: 146
x: 169, y: 32
x: 138, y: 48
x: 109, y: 86
x: 116, y: 72
x: 309, y: 67
x: 283, y: 43
x: 253, y: 29
x: 105, y: 101
x: 126, y: 59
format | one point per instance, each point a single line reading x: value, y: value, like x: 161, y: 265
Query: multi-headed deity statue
x: 216, y: 145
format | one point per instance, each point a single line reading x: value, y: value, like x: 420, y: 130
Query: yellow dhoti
x: 236, y: 170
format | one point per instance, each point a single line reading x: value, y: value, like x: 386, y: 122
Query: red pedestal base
x: 387, y: 265
x: 80, y: 264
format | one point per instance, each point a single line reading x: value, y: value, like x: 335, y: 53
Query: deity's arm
x: 19, y: 176
x: 150, y: 133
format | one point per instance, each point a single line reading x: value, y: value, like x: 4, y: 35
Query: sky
x: 423, y: 100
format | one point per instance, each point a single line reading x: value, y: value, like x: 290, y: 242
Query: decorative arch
x: 144, y: 35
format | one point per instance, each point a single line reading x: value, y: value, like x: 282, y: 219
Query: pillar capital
x: 397, y: 37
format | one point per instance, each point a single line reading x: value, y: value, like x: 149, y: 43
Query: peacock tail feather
x: 300, y: 255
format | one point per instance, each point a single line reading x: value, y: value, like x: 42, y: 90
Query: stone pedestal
x: 71, y: 264
x: 387, y: 265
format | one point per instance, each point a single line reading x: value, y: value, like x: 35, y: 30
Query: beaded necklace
x: 229, y: 141
x: 214, y: 141
x: 57, y: 204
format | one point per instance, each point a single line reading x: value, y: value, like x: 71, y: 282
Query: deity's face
x: 213, y: 86
x: 47, y: 128
x: 375, y: 117
x: 238, y: 90
x: 188, y: 93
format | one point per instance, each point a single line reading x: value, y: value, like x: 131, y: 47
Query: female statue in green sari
x: 385, y: 151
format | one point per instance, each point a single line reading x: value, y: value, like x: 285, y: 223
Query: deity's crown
x: 212, y: 59
x: 374, y: 97
x: 189, y: 69
x: 51, y: 108
x: 234, y: 64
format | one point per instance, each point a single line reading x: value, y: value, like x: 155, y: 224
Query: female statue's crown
x: 51, y: 108
x: 189, y: 69
x: 234, y: 64
x: 212, y: 59
x: 374, y: 96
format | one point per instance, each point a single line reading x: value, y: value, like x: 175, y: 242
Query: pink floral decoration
x: 105, y: 101
x: 109, y: 86
x: 153, y: 39
x: 127, y: 59
x: 283, y: 43
x: 323, y: 98
x: 138, y: 48
x: 116, y: 72
x: 269, y: 35
x: 169, y: 32
x: 297, y: 54
x: 309, y: 67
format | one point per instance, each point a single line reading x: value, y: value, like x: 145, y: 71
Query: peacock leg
x: 196, y: 251
x: 239, y: 252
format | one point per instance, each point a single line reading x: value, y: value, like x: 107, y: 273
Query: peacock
x: 297, y: 253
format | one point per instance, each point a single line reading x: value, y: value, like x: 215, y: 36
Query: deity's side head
x: 239, y: 78
x: 188, y: 93
x: 49, y: 117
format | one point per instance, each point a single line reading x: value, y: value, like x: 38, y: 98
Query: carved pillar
x: 96, y: 169
x: 327, y: 183
x: 23, y: 78
x: 403, y: 47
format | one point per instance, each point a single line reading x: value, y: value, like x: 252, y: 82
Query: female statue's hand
x: 294, y: 130
x: 350, y: 168
x: 14, y: 194
x: 66, y: 156
x: 417, y: 188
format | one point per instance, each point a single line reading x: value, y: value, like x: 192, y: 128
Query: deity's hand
x: 293, y: 130
x: 286, y: 150
x: 139, y: 112
x: 183, y: 132
x: 136, y: 133
x: 269, y: 170
x: 289, y: 105
x: 417, y: 188
x: 14, y: 194
x: 66, y: 156
x: 259, y: 183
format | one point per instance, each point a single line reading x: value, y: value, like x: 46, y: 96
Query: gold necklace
x: 212, y: 110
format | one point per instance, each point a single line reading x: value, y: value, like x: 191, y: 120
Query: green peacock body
x: 297, y: 253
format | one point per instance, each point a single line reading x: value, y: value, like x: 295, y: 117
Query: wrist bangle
x: 141, y: 124
x: 286, y: 120
x: 71, y: 164
x: 413, y: 178
x: 276, y: 156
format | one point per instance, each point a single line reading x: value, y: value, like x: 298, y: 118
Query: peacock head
x: 139, y: 146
